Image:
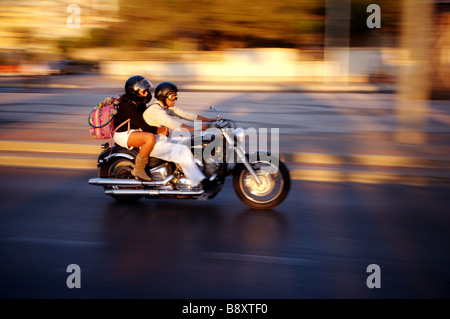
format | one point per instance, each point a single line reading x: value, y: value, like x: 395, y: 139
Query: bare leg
x: 144, y: 140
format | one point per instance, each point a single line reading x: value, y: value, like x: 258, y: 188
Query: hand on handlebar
x: 219, y: 123
x: 163, y: 130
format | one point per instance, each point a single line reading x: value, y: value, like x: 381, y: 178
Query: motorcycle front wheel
x: 271, y: 192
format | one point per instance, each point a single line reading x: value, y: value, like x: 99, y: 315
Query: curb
x: 418, y: 171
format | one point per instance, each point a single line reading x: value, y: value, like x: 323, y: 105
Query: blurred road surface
x: 317, y: 244
x: 358, y: 198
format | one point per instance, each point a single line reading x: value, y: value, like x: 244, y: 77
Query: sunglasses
x: 143, y: 92
x: 172, y: 97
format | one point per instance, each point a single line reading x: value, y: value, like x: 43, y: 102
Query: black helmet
x: 163, y: 89
x: 134, y: 85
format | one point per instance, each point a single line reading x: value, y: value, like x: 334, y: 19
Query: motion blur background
x: 295, y: 42
x: 359, y: 90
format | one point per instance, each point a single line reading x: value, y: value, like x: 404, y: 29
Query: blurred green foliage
x: 217, y: 24
x: 220, y: 24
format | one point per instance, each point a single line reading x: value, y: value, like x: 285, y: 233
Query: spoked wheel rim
x: 272, y: 183
x: 122, y: 170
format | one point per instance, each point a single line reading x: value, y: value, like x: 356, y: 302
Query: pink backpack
x: 101, y: 119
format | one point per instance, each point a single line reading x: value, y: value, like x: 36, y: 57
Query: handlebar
x: 222, y: 123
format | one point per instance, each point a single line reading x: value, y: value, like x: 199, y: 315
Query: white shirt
x: 172, y: 117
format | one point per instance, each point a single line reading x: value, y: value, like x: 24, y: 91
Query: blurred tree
x: 216, y: 24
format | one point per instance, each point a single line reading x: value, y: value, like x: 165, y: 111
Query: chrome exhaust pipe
x: 146, y: 192
x: 114, y: 181
x: 127, y: 182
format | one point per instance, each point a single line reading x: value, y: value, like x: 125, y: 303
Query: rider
x: 136, y: 133
x: 164, y: 113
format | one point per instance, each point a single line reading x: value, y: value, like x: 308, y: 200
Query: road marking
x: 262, y: 259
x: 43, y: 147
x: 369, y: 177
x: 51, y: 241
x: 48, y: 162
x: 297, y: 173
x: 298, y: 157
x: 361, y: 159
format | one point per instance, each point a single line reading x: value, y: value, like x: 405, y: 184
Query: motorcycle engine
x: 210, y: 167
x: 160, y: 173
x: 183, y: 184
x: 212, y: 162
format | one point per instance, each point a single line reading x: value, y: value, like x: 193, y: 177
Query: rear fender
x: 110, y: 155
x: 115, y: 152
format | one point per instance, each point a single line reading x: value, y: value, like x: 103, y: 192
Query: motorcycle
x: 260, y: 180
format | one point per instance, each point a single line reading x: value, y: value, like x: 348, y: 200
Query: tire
x: 273, y: 190
x: 121, y: 168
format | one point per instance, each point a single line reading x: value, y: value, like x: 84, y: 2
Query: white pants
x: 169, y: 150
x: 173, y: 151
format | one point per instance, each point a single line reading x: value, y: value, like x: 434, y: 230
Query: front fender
x: 256, y: 157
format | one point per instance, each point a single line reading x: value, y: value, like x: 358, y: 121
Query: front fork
x: 240, y: 152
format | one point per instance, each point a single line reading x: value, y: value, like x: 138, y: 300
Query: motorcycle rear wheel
x: 274, y: 187
x: 121, y: 168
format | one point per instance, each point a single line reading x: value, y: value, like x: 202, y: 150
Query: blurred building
x: 39, y: 30
x: 440, y: 48
x: 38, y: 25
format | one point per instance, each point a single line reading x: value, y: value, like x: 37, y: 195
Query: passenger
x: 136, y: 133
